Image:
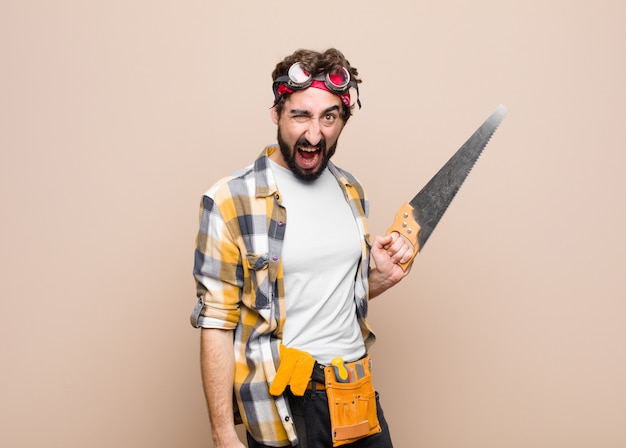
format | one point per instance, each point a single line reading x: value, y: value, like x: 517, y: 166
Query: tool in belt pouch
x: 351, y: 400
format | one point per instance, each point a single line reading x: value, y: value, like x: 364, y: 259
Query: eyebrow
x: 299, y: 112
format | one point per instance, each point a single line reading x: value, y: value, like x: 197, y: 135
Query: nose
x: 314, y: 133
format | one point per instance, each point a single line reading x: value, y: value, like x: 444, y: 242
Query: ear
x: 274, y: 115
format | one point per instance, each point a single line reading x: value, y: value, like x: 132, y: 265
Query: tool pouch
x: 352, y: 404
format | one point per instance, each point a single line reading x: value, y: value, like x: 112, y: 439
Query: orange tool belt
x: 351, y: 400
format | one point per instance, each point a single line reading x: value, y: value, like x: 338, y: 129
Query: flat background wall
x: 115, y: 116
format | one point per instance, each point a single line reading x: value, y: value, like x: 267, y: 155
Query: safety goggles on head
x: 298, y: 78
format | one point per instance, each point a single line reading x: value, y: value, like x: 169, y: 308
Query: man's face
x: 308, y: 130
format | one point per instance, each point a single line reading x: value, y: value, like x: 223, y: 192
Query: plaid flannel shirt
x: 240, y: 287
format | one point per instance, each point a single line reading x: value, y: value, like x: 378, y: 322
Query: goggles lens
x: 298, y: 76
x: 339, y: 80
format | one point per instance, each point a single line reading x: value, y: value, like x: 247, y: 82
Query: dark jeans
x: 312, y: 420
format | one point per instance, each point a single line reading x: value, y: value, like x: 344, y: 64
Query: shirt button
x: 275, y: 258
x: 287, y: 418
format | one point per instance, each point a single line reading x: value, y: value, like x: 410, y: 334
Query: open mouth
x: 309, y: 156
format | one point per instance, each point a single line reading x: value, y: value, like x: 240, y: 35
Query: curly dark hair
x: 316, y: 63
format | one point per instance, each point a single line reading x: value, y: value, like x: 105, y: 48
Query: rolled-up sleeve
x: 217, y: 269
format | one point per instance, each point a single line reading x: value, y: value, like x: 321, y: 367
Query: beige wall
x: 115, y: 116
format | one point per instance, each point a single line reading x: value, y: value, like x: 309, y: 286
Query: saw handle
x: 405, y: 224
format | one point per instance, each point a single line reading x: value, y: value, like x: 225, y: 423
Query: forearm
x: 218, y: 368
x: 381, y: 282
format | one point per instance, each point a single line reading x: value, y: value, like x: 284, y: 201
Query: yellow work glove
x: 295, y: 369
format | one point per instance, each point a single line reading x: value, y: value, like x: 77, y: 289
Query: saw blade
x: 433, y: 200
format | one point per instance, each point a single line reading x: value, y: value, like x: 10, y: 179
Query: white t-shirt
x: 321, y: 252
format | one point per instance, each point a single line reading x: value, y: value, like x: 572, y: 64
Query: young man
x: 283, y: 273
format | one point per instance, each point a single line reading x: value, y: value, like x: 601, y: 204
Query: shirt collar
x: 265, y: 182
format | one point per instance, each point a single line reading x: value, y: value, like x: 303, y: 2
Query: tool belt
x: 351, y: 400
x: 348, y: 386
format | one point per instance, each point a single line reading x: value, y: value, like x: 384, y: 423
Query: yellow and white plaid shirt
x: 239, y: 280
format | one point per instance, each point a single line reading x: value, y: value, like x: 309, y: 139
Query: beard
x: 289, y: 154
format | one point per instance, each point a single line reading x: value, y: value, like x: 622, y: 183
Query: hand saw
x: 417, y: 218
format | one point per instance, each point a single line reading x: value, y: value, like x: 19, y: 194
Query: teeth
x: 307, y: 149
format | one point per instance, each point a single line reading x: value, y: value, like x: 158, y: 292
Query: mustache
x: 302, y: 141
